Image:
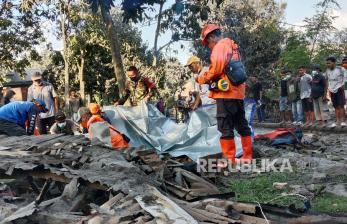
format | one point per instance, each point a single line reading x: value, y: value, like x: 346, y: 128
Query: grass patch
x: 330, y: 203
x: 260, y: 188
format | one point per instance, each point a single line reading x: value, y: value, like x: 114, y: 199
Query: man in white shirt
x: 336, y: 80
x: 201, y: 96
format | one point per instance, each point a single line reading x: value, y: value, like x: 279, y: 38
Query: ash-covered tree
x: 105, y: 7
x: 91, y: 60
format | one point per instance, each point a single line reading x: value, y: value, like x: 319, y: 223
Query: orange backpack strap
x: 236, y: 54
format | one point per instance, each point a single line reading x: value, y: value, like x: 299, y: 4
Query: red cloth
x: 149, y: 83
x: 274, y: 134
x: 36, y: 130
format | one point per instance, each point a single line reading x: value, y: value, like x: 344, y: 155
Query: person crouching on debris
x: 83, y: 117
x: 15, y: 115
x: 118, y: 140
x: 63, y: 125
x: 200, y: 92
x: 230, y: 103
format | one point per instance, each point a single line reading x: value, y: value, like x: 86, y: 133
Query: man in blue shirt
x: 13, y: 117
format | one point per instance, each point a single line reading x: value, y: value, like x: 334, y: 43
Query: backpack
x: 235, y: 70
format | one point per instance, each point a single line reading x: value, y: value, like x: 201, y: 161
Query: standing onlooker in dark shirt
x: 318, y: 94
x: 74, y: 104
x: 256, y: 93
x: 283, y: 103
x: 294, y: 99
x: 161, y: 105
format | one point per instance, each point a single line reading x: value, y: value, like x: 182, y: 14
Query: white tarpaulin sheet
x: 147, y: 126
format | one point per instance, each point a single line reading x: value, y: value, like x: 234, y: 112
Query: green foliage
x: 295, y: 52
x: 19, y: 34
x: 54, y: 69
x: 95, y: 4
x: 272, y: 94
x: 184, y: 19
x: 256, y: 29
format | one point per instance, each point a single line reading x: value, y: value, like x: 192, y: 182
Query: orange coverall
x: 117, y: 140
x: 230, y: 105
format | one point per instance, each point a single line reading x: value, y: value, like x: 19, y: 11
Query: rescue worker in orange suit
x: 118, y: 140
x: 230, y: 103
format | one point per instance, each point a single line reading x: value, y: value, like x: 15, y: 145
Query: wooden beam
x: 63, y: 179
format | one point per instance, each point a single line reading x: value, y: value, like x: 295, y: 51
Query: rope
x: 282, y: 196
x: 286, y: 195
x: 261, y: 210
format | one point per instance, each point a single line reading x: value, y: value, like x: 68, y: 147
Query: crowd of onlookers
x: 305, y: 94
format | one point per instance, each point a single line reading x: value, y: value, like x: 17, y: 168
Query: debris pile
x: 68, y: 179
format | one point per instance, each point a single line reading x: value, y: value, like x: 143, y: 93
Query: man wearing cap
x: 63, y: 125
x: 44, y: 91
x: 201, y: 91
x: 230, y: 103
x: 15, y: 116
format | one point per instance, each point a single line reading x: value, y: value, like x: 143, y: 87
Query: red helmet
x: 208, y: 28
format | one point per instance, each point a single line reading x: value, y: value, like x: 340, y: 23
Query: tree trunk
x: 115, y: 48
x: 157, y: 34
x: 64, y: 30
x: 81, y: 76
